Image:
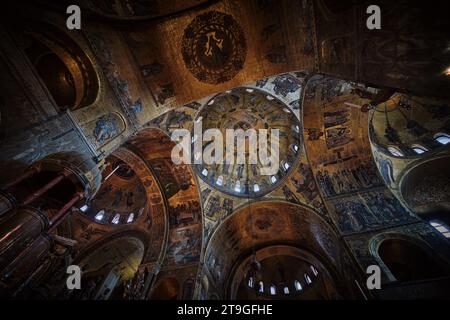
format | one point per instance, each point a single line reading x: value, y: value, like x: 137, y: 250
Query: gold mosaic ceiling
x: 249, y: 108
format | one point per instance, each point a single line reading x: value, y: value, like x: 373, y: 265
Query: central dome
x: 244, y: 109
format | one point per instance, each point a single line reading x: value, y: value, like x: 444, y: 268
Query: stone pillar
x: 25, y: 239
x: 7, y: 202
x: 23, y: 265
x: 18, y: 231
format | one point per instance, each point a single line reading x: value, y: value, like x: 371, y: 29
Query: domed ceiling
x: 405, y: 122
x: 121, y: 198
x: 248, y: 108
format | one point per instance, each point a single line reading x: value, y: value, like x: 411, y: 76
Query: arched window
x: 286, y: 290
x: 116, y: 219
x: 298, y: 285
x: 130, y: 218
x: 261, y: 287
x: 408, y: 261
x: 84, y: 208
x: 219, y: 180
x: 205, y: 172
x: 295, y: 148
x: 296, y: 128
x: 256, y: 187
x: 286, y: 166
x: 273, y: 290
x: 307, y: 279
x: 314, y: 270
x: 418, y: 149
x: 273, y: 179
x: 441, y: 227
x: 250, y: 282
x: 395, y: 151
x: 237, y: 187
x: 100, y: 215
x: 442, y: 138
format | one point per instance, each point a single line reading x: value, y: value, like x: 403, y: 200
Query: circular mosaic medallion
x: 214, y: 47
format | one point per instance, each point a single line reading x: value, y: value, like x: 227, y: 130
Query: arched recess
x: 407, y: 259
x: 287, y: 272
x: 122, y: 198
x: 62, y: 65
x: 425, y: 188
x: 181, y: 197
x: 271, y: 224
x: 128, y: 186
x: 110, y: 261
x: 404, y: 133
x: 156, y: 217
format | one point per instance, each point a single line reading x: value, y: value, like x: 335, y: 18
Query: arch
x: 286, y: 272
x: 407, y: 261
x: 133, y: 237
x: 180, y: 195
x: 341, y: 158
x: 154, y: 216
x: 62, y: 65
x: 109, y: 262
x: 425, y: 186
x: 270, y: 223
